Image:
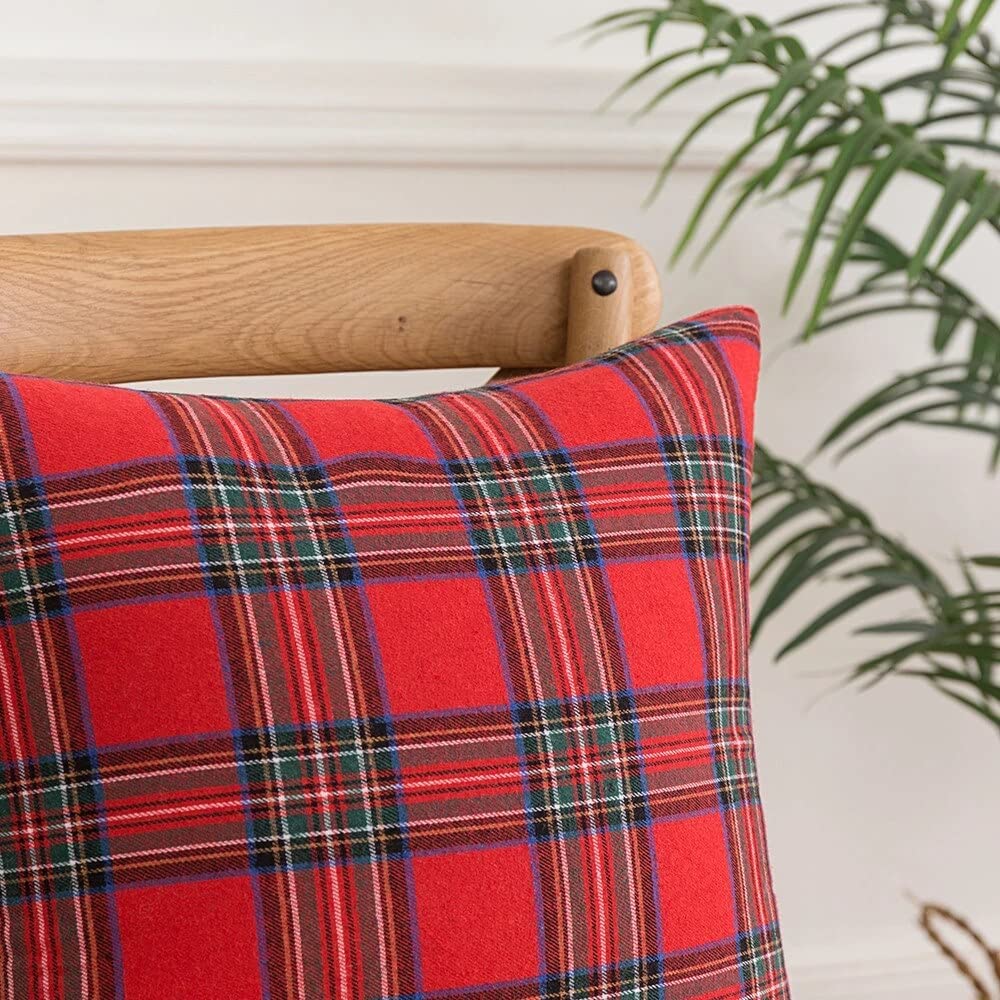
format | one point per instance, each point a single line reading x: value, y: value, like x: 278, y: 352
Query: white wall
x: 117, y: 115
x: 517, y: 32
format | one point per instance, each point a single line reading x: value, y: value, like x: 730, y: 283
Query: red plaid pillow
x: 443, y: 697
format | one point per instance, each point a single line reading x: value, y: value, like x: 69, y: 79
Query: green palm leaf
x: 692, y: 133
x: 876, y: 182
x: 951, y: 638
x: 984, y: 206
x: 832, y: 115
x: 857, y: 149
x: 957, y: 187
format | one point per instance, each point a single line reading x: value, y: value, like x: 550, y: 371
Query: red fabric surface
x: 431, y: 699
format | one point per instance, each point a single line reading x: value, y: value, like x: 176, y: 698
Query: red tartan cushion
x: 442, y: 697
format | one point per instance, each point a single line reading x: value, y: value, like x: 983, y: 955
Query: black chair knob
x: 604, y: 282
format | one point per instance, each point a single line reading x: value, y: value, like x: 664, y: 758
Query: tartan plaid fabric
x: 442, y: 697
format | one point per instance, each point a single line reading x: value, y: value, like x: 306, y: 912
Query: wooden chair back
x: 131, y: 306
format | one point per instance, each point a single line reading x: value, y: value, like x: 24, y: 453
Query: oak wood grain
x: 128, y: 306
x: 597, y: 322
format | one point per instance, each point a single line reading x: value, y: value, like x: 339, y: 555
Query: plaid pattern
x: 442, y: 697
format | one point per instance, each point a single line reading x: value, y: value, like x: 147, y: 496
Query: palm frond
x: 818, y: 123
x: 950, y: 637
x: 962, y: 391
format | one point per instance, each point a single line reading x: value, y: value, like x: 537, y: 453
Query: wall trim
x: 330, y: 113
x: 921, y: 975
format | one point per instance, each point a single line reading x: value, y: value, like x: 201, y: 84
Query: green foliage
x: 947, y: 637
x: 838, y: 126
x: 962, y: 394
x: 830, y: 125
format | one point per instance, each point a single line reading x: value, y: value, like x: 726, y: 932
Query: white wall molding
x: 302, y: 112
x: 923, y: 975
